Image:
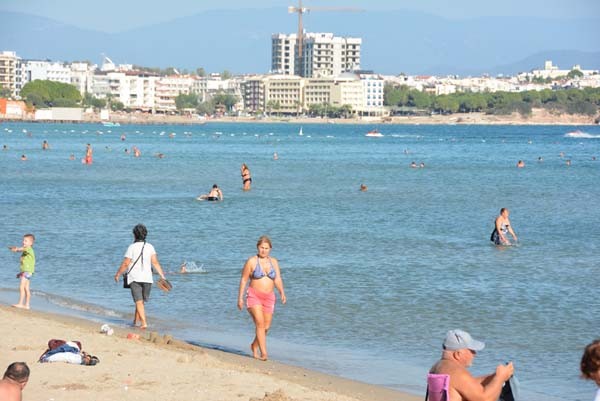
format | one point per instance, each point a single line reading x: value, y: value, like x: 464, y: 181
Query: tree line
x: 572, y: 101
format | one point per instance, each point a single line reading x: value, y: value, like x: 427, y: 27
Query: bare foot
x: 264, y: 357
x: 20, y: 306
x: 143, y: 327
x: 254, y: 350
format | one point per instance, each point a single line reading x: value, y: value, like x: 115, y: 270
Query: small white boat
x: 374, y: 133
x: 300, y: 133
x: 110, y: 124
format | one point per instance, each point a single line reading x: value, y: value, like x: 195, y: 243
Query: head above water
x: 215, y: 186
x: 140, y: 232
x: 504, y: 210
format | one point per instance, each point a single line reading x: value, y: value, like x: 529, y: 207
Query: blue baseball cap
x: 458, y: 339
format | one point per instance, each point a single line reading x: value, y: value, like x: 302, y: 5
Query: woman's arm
x: 157, y: 266
x: 126, y: 261
x: 279, y: 281
x: 246, y: 270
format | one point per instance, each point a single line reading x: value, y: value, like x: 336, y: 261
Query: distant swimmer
x: 4, y: 147
x: 45, y: 145
x: 246, y: 178
x: 562, y: 154
x: 123, y: 137
x: 88, y: 154
x: 568, y: 162
x: 363, y: 188
x: 540, y: 159
x: 136, y: 151
x: 126, y: 151
x: 72, y: 157
x: 159, y: 155
x: 275, y: 156
x: 501, y: 228
x: 215, y: 194
x: 23, y: 158
x: 413, y: 165
x: 422, y: 165
x: 183, y: 268
x: 520, y: 164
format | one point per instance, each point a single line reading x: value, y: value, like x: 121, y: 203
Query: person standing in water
x: 88, y: 154
x: 264, y: 275
x: 246, y: 179
x: 501, y: 229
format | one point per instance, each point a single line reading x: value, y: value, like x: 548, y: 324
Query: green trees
x: 185, y: 101
x: 574, y: 73
x: 572, y: 101
x: 91, y: 101
x: 192, y: 101
x: 43, y: 94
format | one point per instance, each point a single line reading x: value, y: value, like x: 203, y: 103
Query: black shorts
x: 140, y: 291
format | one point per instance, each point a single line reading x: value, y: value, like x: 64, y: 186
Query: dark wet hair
x: 17, y: 371
x: 502, y: 210
x: 215, y: 186
x: 590, y: 361
x: 140, y: 232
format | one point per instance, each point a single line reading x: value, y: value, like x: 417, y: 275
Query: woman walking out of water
x: 137, y: 263
x: 502, y: 228
x: 264, y: 275
x: 246, y: 179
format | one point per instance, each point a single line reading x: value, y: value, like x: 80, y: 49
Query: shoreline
x: 158, y: 370
x: 538, y: 117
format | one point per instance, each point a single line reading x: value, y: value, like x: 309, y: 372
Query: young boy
x: 27, y: 269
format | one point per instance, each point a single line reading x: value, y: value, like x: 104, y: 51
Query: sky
x: 121, y: 15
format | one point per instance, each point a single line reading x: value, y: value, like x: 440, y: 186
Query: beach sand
x: 145, y: 370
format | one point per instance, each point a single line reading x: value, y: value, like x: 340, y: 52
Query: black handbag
x: 125, y: 282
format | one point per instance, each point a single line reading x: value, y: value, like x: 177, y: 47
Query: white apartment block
x: 373, y: 93
x: 323, y: 55
x: 10, y: 77
x: 82, y: 77
x: 33, y: 70
x: 136, y: 90
x: 168, y: 88
x: 206, y: 87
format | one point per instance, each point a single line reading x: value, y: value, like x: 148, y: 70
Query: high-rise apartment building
x: 323, y: 54
x: 9, y: 65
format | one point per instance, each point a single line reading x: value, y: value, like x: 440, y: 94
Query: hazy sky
x: 121, y: 15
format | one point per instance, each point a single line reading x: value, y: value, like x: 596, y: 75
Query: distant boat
x: 580, y: 134
x: 110, y: 124
x: 374, y: 133
x: 300, y: 133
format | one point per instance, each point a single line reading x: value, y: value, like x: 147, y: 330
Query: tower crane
x: 304, y: 10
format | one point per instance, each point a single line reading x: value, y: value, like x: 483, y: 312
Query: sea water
x: 373, y: 279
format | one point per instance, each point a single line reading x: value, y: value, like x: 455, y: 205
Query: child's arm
x: 16, y: 248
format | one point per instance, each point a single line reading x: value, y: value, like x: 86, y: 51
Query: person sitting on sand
x: 501, y: 228
x: 590, y: 364
x: 520, y: 164
x: 215, y: 194
x: 459, y: 351
x: 14, y: 381
x: 264, y: 275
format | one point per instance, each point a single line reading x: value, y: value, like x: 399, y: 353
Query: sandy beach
x: 146, y: 370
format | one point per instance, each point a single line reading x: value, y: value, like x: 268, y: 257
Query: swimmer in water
x: 422, y: 165
x: 215, y: 194
x: 275, y: 156
x: 568, y: 162
x: 246, y: 178
x: 45, y: 145
x: 72, y: 157
x: 23, y: 158
x: 183, y: 268
x: 520, y: 164
x: 501, y: 229
x: 413, y: 165
x: 363, y: 188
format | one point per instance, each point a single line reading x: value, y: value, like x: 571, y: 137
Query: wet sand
x: 158, y: 370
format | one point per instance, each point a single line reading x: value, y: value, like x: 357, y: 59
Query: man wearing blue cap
x: 459, y: 350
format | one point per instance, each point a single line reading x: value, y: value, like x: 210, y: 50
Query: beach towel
x: 438, y: 387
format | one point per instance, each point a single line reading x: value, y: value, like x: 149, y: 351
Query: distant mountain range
x: 393, y: 41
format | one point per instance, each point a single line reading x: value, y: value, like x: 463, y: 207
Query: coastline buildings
x: 10, y: 72
x: 323, y: 54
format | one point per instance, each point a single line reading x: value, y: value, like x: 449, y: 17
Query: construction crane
x: 304, y: 10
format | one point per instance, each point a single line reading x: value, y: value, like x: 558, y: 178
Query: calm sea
x: 373, y: 279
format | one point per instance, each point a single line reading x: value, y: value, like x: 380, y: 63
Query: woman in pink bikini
x: 263, y: 273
